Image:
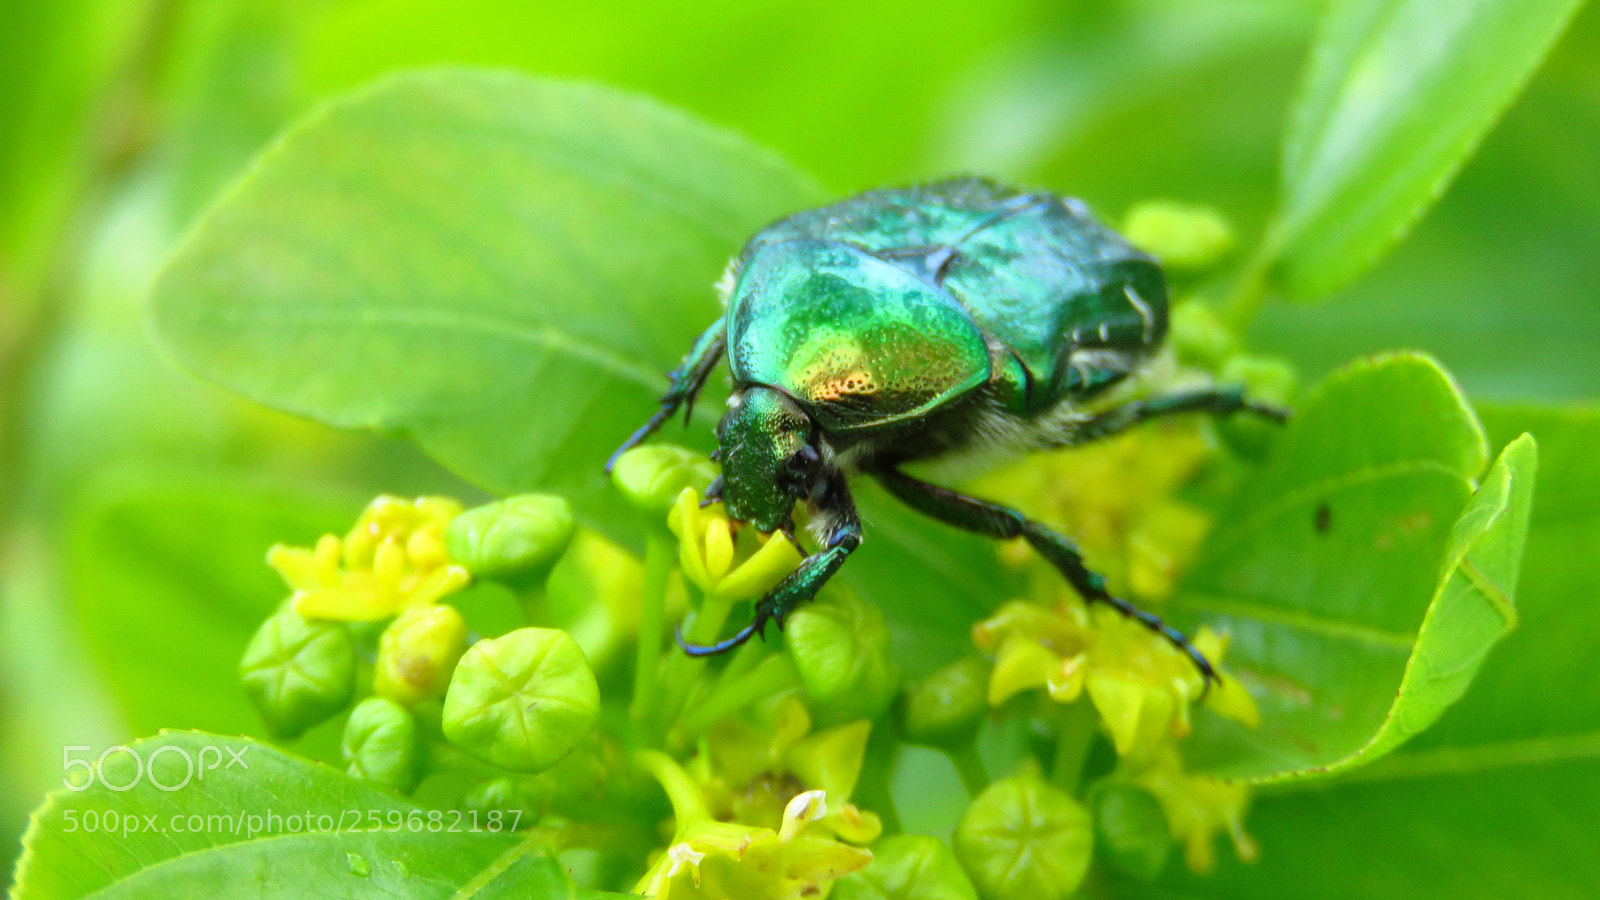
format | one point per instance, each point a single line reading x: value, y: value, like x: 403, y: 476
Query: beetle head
x: 769, y: 457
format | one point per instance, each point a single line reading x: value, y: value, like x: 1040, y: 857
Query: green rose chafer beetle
x: 913, y: 324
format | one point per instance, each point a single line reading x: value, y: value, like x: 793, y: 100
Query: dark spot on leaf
x: 1322, y: 519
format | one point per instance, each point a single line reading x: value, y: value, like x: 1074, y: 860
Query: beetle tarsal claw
x: 723, y: 646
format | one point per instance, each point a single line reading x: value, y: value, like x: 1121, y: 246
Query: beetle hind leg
x: 1215, y: 401
x: 997, y: 521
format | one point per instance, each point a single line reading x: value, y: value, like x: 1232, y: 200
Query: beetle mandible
x: 914, y: 324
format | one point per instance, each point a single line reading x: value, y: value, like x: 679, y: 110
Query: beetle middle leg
x: 842, y: 538
x: 997, y: 521
x: 1216, y: 401
x: 686, y: 381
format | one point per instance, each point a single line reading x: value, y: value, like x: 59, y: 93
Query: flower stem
x: 652, y: 610
x: 685, y: 673
x: 877, y: 771
x: 1075, y: 734
x: 688, y: 803
x: 744, y: 659
x: 775, y: 674
x: 1248, y: 295
x: 969, y: 765
x: 708, y: 619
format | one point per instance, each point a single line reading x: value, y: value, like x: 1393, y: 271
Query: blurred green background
x: 120, y: 118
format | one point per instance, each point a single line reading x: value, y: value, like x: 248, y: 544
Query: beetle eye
x: 801, y: 469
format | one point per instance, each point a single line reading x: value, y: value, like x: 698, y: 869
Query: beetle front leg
x: 997, y: 521
x: 801, y: 585
x: 686, y: 381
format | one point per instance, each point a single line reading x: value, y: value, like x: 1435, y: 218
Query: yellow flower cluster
x: 1196, y: 808
x: 750, y: 769
x: 729, y: 861
x: 1138, y: 682
x: 713, y: 860
x: 714, y: 561
x: 1116, y: 498
x: 393, y: 559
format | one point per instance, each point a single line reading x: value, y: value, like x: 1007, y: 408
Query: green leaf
x: 796, y: 82
x: 504, y: 268
x: 1399, y: 93
x: 1472, y: 608
x: 230, y: 817
x: 931, y: 580
x: 501, y: 267
x: 1360, y: 576
x: 1498, y: 798
x: 58, y: 61
x: 169, y: 580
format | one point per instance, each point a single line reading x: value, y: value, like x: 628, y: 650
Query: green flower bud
x: 1200, y: 338
x: 840, y: 646
x: 1266, y: 378
x: 417, y: 653
x: 380, y: 743
x: 1132, y: 830
x: 908, y: 867
x: 652, y: 476
x: 522, y: 701
x: 1184, y: 236
x: 576, y: 781
x: 1024, y: 839
x: 511, y: 794
x: 298, y: 673
x: 570, y: 787
x: 516, y: 540
x: 946, y: 708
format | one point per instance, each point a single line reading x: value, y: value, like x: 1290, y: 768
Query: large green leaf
x: 1398, y: 94
x: 501, y: 267
x: 168, y: 580
x: 1360, y: 596
x: 1498, y: 798
x: 210, y: 816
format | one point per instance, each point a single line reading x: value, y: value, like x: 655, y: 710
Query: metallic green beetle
x: 915, y: 324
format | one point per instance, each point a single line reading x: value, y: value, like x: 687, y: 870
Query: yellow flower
x: 712, y: 860
x: 1138, y: 682
x: 750, y: 769
x: 392, y: 560
x: 1196, y: 808
x: 711, y: 559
